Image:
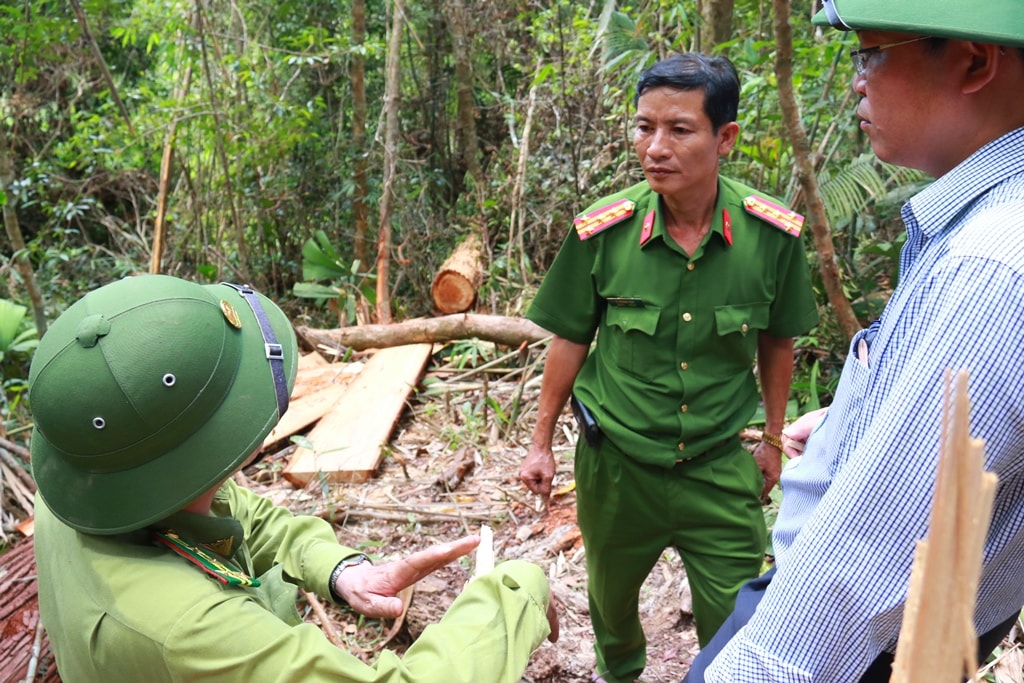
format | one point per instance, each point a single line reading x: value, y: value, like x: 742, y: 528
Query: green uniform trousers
x: 707, y: 507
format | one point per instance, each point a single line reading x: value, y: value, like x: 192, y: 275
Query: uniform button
x: 687, y: 318
x: 744, y: 328
x: 684, y: 365
x: 681, y: 446
x: 690, y: 266
x: 684, y: 408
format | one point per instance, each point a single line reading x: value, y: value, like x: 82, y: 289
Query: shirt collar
x: 653, y: 203
x: 939, y: 205
x: 222, y: 535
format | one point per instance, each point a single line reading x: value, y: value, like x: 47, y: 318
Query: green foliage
x: 866, y: 182
x: 321, y: 261
x: 18, y: 339
x: 263, y: 186
x: 468, y: 353
x: 17, y: 334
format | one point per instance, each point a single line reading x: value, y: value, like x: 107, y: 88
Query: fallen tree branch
x: 493, y: 328
x: 15, y: 467
x: 326, y: 625
x: 339, y: 516
x: 15, y: 448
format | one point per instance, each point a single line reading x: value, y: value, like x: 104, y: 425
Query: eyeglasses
x: 862, y: 56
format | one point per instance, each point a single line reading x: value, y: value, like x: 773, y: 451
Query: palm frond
x: 866, y: 181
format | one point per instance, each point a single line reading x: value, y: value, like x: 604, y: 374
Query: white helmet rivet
x: 99, y: 422
x: 169, y: 380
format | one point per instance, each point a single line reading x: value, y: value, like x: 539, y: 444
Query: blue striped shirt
x: 860, y: 496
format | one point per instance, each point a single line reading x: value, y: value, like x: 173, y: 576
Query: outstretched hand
x: 372, y: 590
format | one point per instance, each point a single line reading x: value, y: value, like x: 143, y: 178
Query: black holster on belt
x: 587, y: 424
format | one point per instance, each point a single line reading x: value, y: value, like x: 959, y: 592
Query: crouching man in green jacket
x: 153, y: 565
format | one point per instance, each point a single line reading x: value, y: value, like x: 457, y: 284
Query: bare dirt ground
x: 408, y: 506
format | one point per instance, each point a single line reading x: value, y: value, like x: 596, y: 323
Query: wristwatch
x: 350, y: 561
x: 772, y: 440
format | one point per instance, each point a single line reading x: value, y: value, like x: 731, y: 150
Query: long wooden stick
x: 166, y: 162
x: 937, y: 642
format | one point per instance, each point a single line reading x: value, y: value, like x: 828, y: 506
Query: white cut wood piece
x: 485, y: 551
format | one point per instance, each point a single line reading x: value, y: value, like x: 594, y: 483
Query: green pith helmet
x: 151, y: 390
x: 1000, y: 22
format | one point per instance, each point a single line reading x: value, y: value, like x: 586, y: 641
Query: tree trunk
x: 13, y: 228
x: 517, y: 216
x: 391, y: 98
x: 218, y: 143
x: 716, y: 23
x: 465, y: 129
x: 455, y: 285
x: 816, y: 215
x: 83, y: 24
x: 493, y: 328
x: 166, y: 163
x: 357, y: 74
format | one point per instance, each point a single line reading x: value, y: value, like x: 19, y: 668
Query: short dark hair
x: 716, y: 76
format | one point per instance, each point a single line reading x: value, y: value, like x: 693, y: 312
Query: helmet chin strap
x: 275, y: 354
x: 833, y: 16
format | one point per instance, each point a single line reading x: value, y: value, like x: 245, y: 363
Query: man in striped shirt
x: 942, y: 90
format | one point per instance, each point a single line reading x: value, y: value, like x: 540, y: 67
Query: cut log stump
x: 456, y: 283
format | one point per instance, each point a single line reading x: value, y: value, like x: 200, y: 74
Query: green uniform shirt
x: 672, y: 371
x: 123, y: 608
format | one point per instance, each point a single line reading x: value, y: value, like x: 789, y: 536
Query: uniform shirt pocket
x: 631, y: 338
x: 737, y: 328
x: 741, y: 318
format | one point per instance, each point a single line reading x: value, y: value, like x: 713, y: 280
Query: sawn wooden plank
x: 348, y: 441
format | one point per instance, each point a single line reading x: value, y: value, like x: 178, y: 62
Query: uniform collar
x: 724, y: 202
x: 222, y: 535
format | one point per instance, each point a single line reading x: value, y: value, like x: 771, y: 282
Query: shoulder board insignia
x: 589, y: 224
x: 782, y: 218
x: 204, y: 560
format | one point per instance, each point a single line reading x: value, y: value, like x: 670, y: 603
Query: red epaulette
x: 784, y: 219
x: 593, y: 222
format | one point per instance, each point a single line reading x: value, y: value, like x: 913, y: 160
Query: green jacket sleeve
x: 305, y: 546
x: 486, y: 636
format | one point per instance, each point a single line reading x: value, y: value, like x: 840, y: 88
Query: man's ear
x: 984, y: 60
x: 727, y: 136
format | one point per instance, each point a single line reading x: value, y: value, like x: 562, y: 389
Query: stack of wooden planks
x: 354, y: 410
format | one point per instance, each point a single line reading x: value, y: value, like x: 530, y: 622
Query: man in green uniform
x: 153, y: 565
x: 684, y: 279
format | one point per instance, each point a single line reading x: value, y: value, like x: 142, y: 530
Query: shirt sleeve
x: 486, y: 636
x: 794, y: 309
x: 304, y: 545
x: 567, y: 302
x: 837, y: 600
